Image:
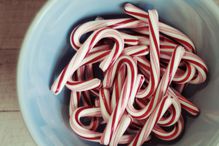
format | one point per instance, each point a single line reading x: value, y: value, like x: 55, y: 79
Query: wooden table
x: 15, y: 17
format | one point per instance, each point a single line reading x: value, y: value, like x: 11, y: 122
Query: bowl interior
x: 46, y: 50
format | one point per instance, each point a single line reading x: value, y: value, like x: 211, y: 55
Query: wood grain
x: 15, y: 17
x: 13, y: 131
x: 8, y: 97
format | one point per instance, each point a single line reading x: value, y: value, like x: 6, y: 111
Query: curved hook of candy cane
x: 193, y: 60
x: 154, y: 56
x: 170, y: 135
x: 78, y: 129
x: 98, y: 24
x: 99, y: 55
x: 152, y: 120
x: 75, y: 62
x: 164, y: 28
x: 136, y: 12
x: 185, y: 103
x: 162, y: 87
x: 175, y: 115
x: 167, y: 120
x: 181, y: 76
x: 74, y: 104
x: 75, y: 97
x: 199, y: 64
x: 178, y: 36
x: 124, y: 97
x: 91, y: 135
x: 111, y: 73
x: 186, y: 76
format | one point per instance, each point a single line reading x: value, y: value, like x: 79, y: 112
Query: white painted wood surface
x: 13, y: 131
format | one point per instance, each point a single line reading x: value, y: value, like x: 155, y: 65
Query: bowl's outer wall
x: 46, y: 50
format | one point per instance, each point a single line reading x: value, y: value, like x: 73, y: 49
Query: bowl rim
x: 213, y: 6
x: 33, y: 25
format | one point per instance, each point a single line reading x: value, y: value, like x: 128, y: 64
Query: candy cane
x: 195, y: 61
x: 76, y: 126
x: 166, y: 29
x: 117, y: 87
x: 104, y: 96
x: 123, y: 125
x: 140, y: 50
x: 185, y: 103
x: 175, y: 115
x: 84, y: 50
x: 173, y: 134
x: 124, y: 97
x: 83, y: 85
x: 154, y: 56
x: 98, y: 24
x: 155, y: 116
x: 161, y: 90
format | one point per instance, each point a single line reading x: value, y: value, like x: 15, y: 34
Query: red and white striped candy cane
x: 170, y: 135
x: 194, y: 61
x: 83, y: 85
x: 124, y: 97
x: 92, y: 135
x: 75, y: 62
x: 74, y: 101
x: 98, y: 24
x: 185, y: 103
x: 123, y: 125
x: 117, y: 86
x: 140, y: 50
x: 154, y: 56
x: 152, y: 120
x: 174, y: 115
x: 162, y: 88
x: 200, y: 66
x: 164, y: 28
x: 76, y: 124
x: 104, y: 96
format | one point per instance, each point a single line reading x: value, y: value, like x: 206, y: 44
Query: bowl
x: 46, y: 50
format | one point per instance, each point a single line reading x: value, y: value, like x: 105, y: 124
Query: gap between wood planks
x: 4, y: 111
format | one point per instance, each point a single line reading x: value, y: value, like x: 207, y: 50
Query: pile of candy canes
x: 146, y: 65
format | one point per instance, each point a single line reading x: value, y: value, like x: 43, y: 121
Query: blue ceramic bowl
x: 46, y: 50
